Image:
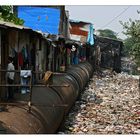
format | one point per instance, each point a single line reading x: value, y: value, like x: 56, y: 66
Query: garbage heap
x: 109, y: 105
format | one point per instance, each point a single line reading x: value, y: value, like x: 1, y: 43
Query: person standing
x: 10, y: 77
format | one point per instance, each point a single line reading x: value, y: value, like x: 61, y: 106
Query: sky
x: 102, y: 16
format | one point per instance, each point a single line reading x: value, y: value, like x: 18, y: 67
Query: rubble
x: 110, y: 105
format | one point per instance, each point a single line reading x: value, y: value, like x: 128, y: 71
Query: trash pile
x: 110, y: 105
x: 128, y: 65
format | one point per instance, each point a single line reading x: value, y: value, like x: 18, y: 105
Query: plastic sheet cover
x: 45, y: 19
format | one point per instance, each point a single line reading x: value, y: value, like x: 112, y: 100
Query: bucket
x: 62, y: 68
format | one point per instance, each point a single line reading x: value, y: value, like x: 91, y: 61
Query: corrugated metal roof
x: 78, y: 31
x: 81, y: 31
x: 77, y: 21
x: 107, y: 39
x: 12, y: 25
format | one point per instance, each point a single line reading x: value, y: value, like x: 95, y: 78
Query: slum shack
x: 28, y: 49
x: 52, y: 20
x: 83, y: 34
x: 108, y: 52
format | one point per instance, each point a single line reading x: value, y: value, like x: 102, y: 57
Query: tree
x: 132, y: 31
x: 6, y: 14
x: 128, y: 43
x: 107, y: 33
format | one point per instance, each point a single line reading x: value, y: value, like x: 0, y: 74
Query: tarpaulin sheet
x: 90, y: 38
x: 45, y: 19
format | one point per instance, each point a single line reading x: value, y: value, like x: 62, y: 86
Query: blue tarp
x: 45, y: 19
x: 90, y: 38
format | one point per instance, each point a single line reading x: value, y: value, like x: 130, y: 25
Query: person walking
x: 10, y: 78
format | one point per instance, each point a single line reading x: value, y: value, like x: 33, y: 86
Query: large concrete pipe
x: 49, y: 105
x: 47, y: 112
x: 68, y: 94
x: 81, y: 72
x: 88, y: 67
x: 17, y: 120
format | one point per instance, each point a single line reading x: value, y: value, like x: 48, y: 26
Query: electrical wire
x: 116, y: 17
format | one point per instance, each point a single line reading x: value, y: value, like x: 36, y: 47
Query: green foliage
x: 132, y: 31
x: 108, y: 33
x: 128, y: 43
x: 7, y: 15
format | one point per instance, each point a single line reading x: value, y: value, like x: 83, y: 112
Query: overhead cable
x: 116, y: 17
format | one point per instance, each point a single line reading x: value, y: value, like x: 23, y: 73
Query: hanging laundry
x: 24, y: 53
x: 75, y: 58
x: 68, y: 56
x: 12, y: 52
x: 90, y: 38
x: 20, y: 59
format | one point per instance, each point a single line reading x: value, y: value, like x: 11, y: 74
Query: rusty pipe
x: 49, y: 104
